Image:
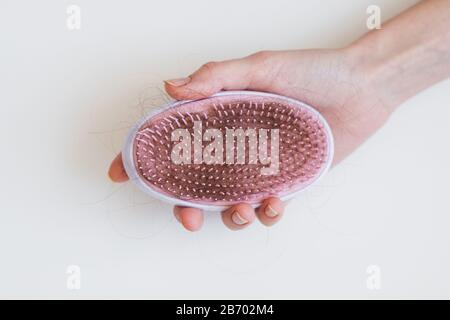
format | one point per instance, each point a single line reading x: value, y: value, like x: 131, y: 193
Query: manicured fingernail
x: 237, y: 218
x: 270, y: 212
x: 178, y: 82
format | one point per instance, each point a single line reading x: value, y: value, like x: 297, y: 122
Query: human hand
x: 329, y: 80
x: 355, y: 88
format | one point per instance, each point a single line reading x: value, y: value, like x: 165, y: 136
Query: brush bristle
x: 303, y: 149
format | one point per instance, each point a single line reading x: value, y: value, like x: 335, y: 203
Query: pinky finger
x: 190, y: 218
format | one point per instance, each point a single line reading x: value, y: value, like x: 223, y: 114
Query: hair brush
x: 232, y: 147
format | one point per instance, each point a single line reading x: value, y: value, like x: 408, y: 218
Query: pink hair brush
x: 235, y: 146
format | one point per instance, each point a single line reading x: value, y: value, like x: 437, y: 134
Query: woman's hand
x: 355, y: 89
x: 329, y: 80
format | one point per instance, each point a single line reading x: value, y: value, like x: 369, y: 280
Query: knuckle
x: 262, y: 55
x: 210, y: 66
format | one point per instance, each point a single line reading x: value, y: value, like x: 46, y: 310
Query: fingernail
x: 178, y: 82
x: 237, y: 218
x: 270, y: 212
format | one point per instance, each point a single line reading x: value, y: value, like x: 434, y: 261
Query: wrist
x: 402, y: 59
x: 373, y: 72
x: 391, y: 70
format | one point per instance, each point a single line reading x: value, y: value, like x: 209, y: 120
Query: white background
x: 69, y: 97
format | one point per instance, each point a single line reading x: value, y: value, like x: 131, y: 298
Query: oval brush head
x: 235, y: 146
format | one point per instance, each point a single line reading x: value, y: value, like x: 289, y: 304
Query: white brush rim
x: 128, y: 150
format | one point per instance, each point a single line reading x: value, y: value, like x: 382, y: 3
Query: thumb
x: 254, y: 72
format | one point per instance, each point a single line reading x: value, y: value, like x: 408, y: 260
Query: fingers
x: 117, y: 171
x: 254, y: 72
x: 270, y: 212
x: 190, y: 218
x: 238, y: 216
x: 242, y: 215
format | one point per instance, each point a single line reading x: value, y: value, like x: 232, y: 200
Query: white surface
x: 69, y: 97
